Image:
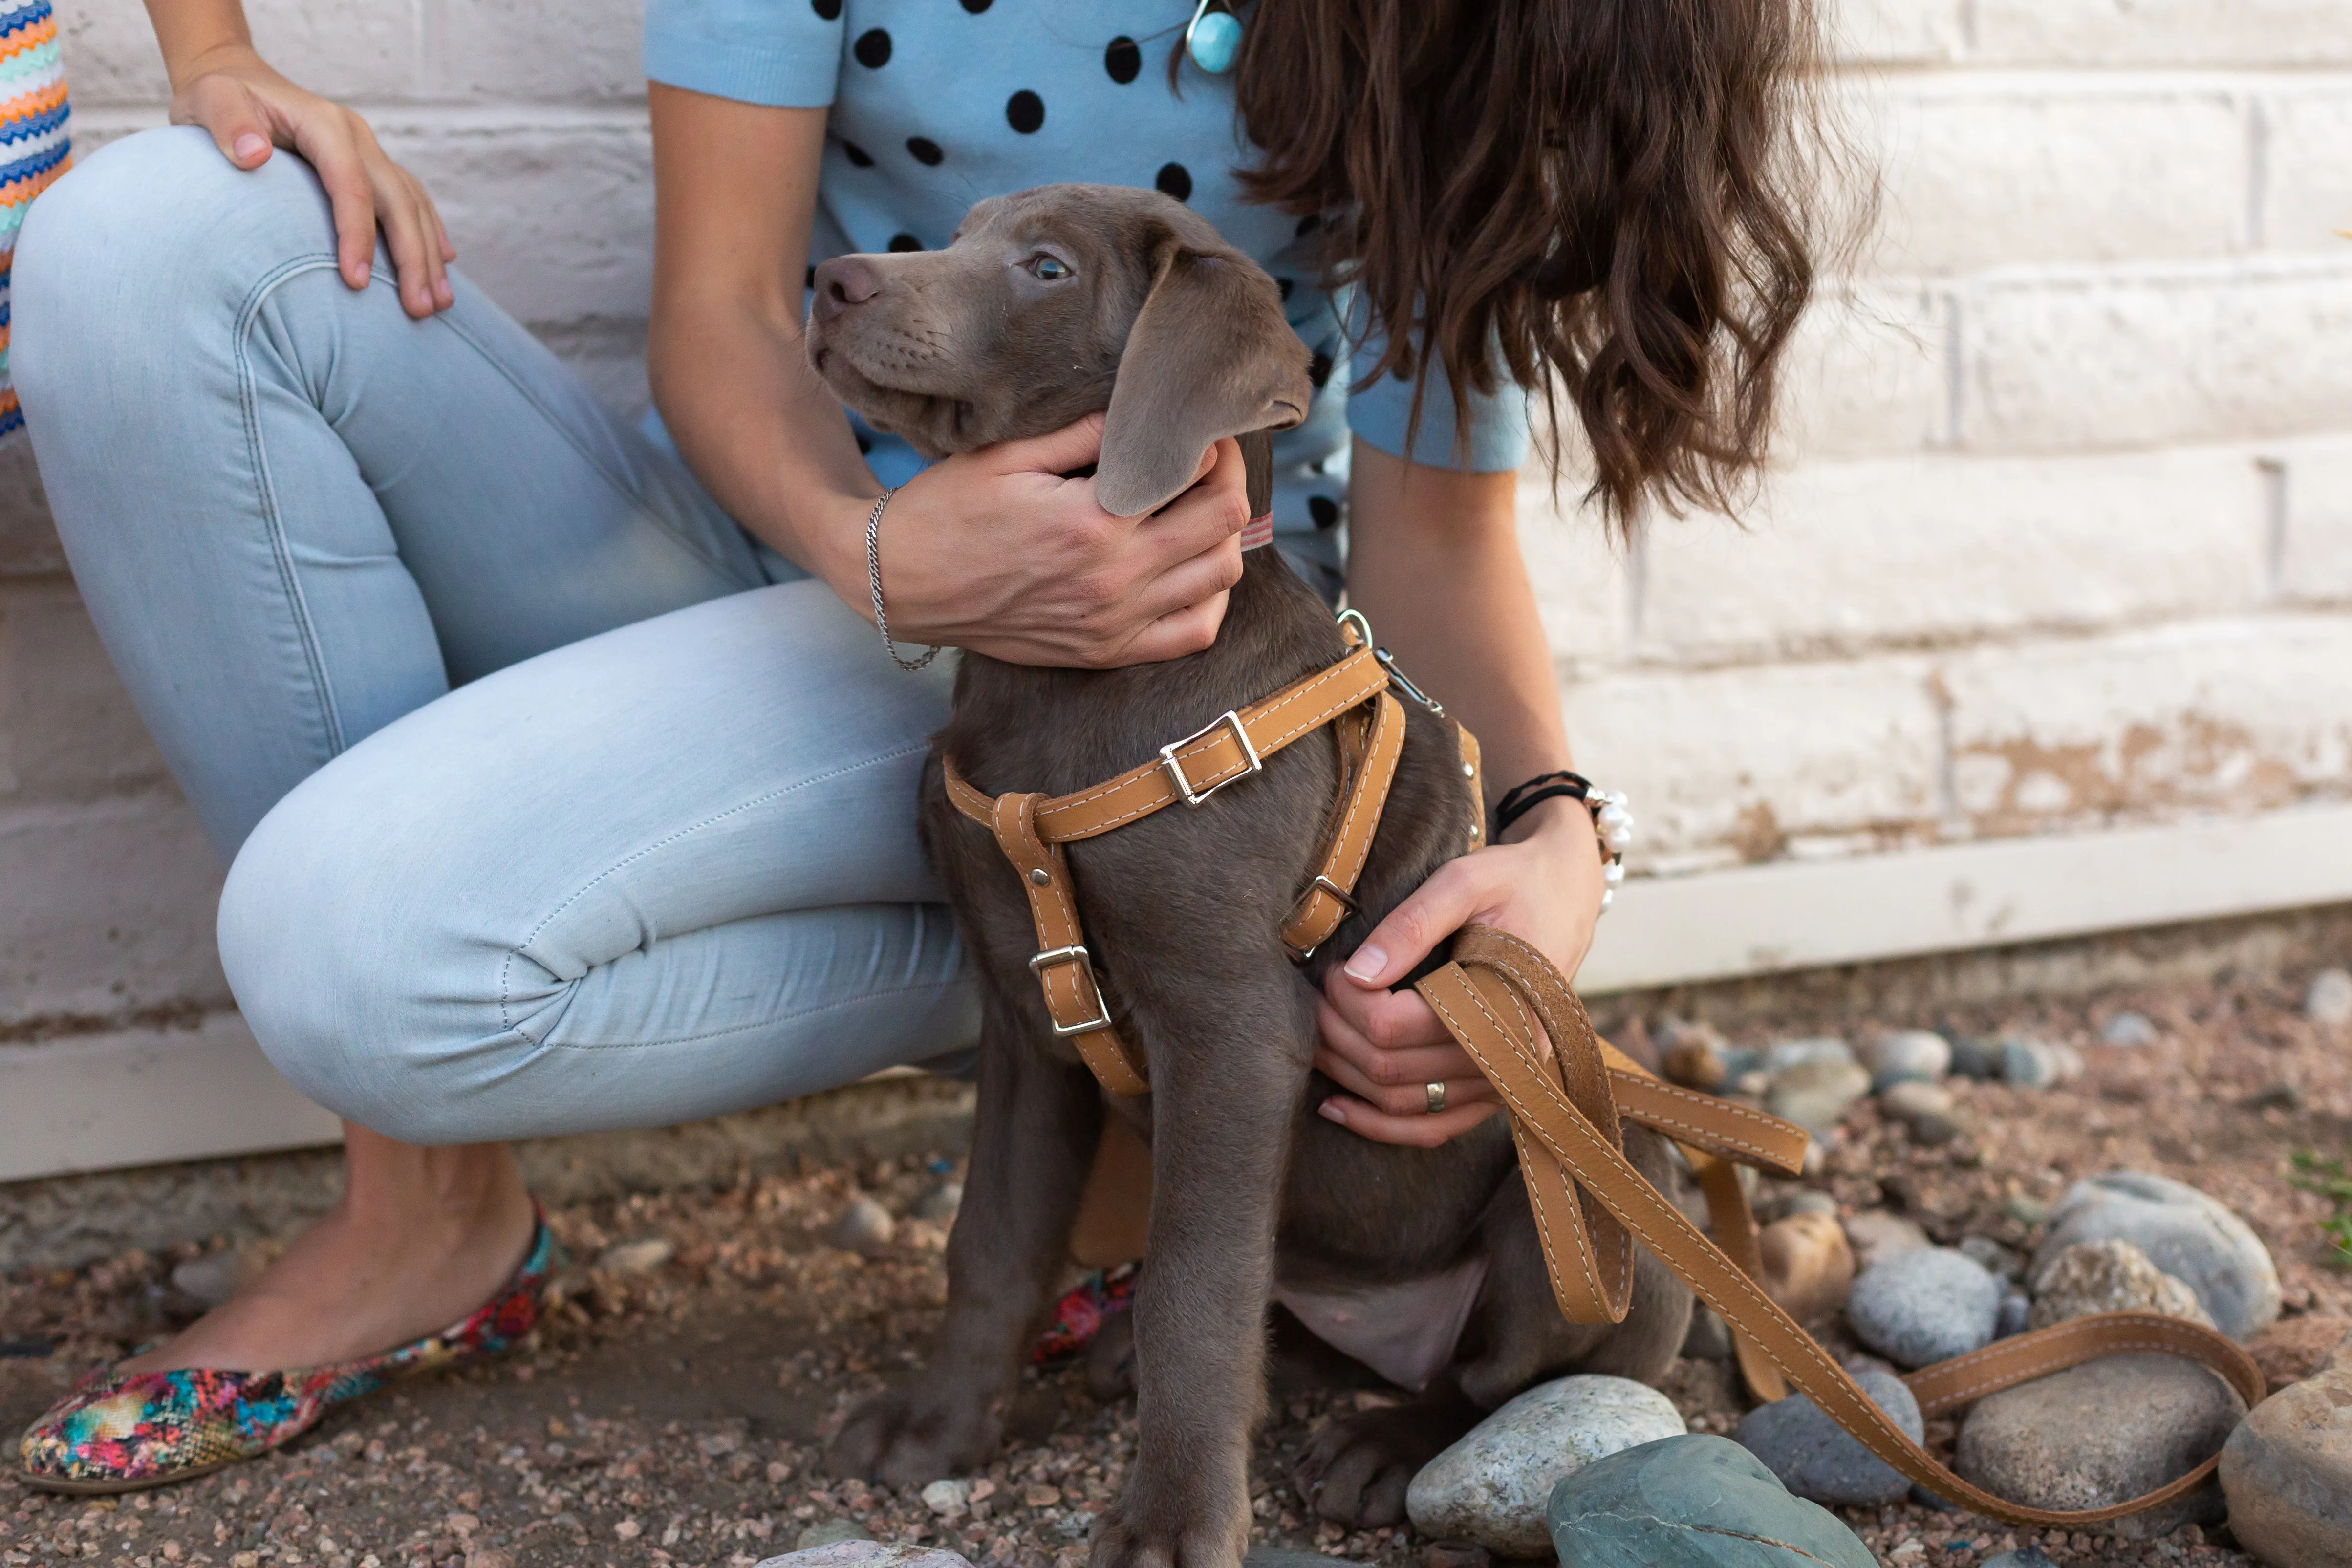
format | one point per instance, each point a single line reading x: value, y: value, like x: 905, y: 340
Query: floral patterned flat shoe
x: 120, y: 1432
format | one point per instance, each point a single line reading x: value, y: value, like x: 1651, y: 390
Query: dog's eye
x: 1048, y: 269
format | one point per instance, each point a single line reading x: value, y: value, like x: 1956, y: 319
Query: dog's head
x: 1050, y: 304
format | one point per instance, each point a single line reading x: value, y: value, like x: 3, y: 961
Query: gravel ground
x: 677, y: 1414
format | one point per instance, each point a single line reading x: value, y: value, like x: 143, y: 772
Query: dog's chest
x: 1406, y: 1331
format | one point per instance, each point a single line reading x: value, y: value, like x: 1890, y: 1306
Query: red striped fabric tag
x: 1260, y: 531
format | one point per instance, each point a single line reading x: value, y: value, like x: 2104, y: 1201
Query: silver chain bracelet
x: 874, y: 580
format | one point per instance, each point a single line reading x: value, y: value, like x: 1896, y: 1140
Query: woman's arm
x: 991, y: 550
x: 1433, y: 563
x: 220, y: 83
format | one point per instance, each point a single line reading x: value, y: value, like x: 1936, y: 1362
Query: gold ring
x: 1437, y: 1096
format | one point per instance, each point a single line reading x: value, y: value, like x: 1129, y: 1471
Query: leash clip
x: 1359, y: 629
x: 1168, y: 758
x: 1073, y: 954
x: 1398, y: 679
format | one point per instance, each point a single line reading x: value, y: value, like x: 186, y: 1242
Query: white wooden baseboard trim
x: 139, y: 1097
x: 1801, y: 915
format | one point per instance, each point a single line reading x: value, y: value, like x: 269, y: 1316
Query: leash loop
x: 1485, y: 997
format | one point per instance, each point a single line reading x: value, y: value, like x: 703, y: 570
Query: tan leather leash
x: 1353, y: 694
x: 1493, y: 995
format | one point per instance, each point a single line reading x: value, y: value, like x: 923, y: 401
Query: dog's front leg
x: 1226, y: 1075
x: 1038, y: 1122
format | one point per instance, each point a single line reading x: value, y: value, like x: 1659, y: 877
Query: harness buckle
x: 1073, y: 954
x: 1323, y: 884
x: 1167, y: 759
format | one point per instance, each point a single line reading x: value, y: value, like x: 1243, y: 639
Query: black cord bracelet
x: 1523, y: 798
x: 1610, y: 821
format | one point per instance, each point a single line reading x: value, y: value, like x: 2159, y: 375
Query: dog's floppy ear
x: 1209, y: 355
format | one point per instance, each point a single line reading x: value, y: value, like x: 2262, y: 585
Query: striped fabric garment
x: 34, y: 148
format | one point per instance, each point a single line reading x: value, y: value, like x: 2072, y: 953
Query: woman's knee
x: 151, y: 239
x: 356, y: 975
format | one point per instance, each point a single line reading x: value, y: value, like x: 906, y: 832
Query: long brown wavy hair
x: 1603, y: 200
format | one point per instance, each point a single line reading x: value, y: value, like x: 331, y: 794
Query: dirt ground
x: 679, y: 1415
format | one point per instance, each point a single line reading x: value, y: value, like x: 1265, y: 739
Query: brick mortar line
x: 1823, y: 652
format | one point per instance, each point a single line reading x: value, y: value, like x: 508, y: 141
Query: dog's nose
x: 845, y: 282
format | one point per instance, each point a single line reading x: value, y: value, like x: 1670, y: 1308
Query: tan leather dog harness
x: 1568, y: 1091
x: 1353, y: 694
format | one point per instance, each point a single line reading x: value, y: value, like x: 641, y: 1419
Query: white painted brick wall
x: 2061, y: 539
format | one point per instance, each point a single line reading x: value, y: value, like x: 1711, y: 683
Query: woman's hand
x: 1385, y: 1048
x: 249, y: 109
x: 995, y: 551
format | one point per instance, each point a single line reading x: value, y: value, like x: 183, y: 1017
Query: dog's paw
x: 1355, y: 1471
x: 909, y: 1436
x: 1183, y: 1534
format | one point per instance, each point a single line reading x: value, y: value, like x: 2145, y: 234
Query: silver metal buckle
x: 1085, y: 961
x: 1346, y: 903
x: 1176, y: 769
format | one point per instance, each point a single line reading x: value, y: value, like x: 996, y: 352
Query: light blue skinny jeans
x: 554, y: 803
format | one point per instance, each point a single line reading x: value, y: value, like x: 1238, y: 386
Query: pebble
x: 1814, y: 1092
x: 2288, y: 1474
x: 1924, y: 1108
x: 2329, y: 999
x: 1490, y: 1486
x: 1876, y: 1236
x: 948, y: 1498
x: 1809, y: 1200
x: 2104, y: 1433
x: 2023, y: 1557
x: 1779, y: 1058
x: 1908, y: 1056
x: 1926, y: 1306
x: 938, y: 1204
x: 640, y: 1257
x: 214, y: 1277
x: 2294, y: 1348
x: 2109, y: 1276
x: 2036, y: 1064
x: 1975, y: 1056
x: 1695, y: 1066
x: 2274, y: 1097
x: 1693, y: 1501
x: 2183, y: 1232
x: 863, y: 1553
x: 1808, y: 1266
x: 864, y: 1227
x: 1437, y: 1554
x: 1991, y: 1256
x: 1815, y: 1457
x: 829, y: 1532
x: 2128, y: 1029
x: 2026, y: 1210
x: 2016, y: 1315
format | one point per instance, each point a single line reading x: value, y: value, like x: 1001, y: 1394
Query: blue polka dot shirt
x: 938, y: 103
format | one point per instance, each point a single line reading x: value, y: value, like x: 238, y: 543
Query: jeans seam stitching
x: 506, y: 969
x: 273, y: 523
x: 763, y: 1023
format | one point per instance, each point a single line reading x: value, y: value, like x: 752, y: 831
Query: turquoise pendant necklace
x: 1213, y: 39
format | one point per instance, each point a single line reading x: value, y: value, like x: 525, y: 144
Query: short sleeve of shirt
x: 1494, y: 438
x: 783, y: 54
